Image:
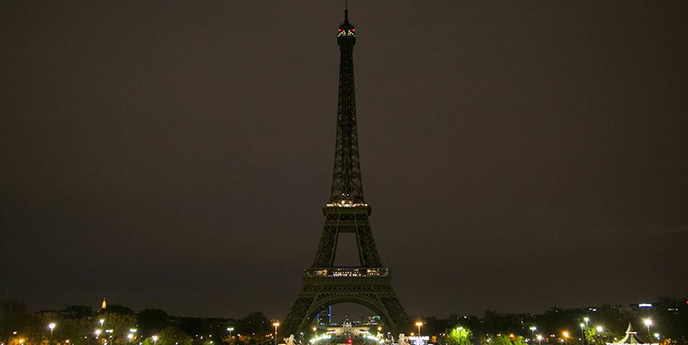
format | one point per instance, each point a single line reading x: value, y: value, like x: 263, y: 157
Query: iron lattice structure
x: 324, y: 284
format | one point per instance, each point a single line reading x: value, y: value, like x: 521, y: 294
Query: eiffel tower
x: 325, y: 284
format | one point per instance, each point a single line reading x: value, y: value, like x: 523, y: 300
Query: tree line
x: 119, y: 325
x: 667, y: 317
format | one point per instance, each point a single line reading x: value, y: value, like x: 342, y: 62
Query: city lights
x: 320, y: 338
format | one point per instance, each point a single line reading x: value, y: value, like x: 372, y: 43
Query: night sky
x: 518, y: 155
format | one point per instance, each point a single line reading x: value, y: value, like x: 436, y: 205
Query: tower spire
x: 347, y: 188
x: 346, y: 11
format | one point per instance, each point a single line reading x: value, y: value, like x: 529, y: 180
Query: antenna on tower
x: 346, y: 11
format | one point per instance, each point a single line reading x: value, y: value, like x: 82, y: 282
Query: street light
x: 52, y: 327
x: 276, y: 324
x: 648, y: 323
x: 419, y: 324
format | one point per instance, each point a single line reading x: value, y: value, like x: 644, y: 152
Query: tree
x: 73, y: 330
x: 255, y: 322
x: 459, y: 336
x: 518, y: 340
x: 501, y: 340
x: 13, y: 317
x: 152, y: 321
x: 435, y: 326
x: 191, y: 325
x: 173, y: 336
x: 119, y: 309
x: 119, y: 324
x: 592, y: 336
